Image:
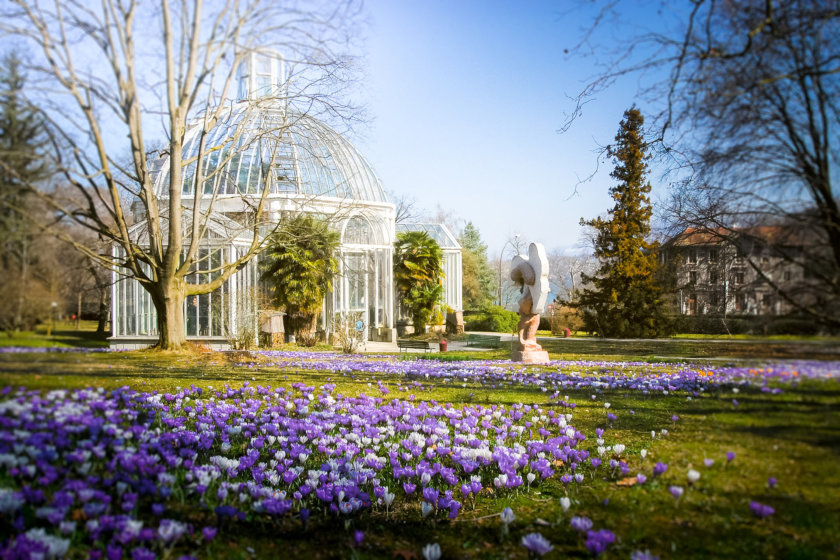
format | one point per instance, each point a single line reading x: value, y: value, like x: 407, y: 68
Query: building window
x: 713, y: 300
x: 713, y: 255
x: 739, y: 277
x: 692, y: 277
x: 692, y: 304
x: 692, y: 256
x: 358, y: 232
x: 713, y: 277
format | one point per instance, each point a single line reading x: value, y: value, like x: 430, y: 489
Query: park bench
x: 414, y: 344
x: 484, y: 340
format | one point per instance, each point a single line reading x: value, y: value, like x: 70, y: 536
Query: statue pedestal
x: 530, y: 356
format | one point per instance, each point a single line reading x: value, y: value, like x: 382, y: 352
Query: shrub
x: 345, y: 330
x: 493, y: 318
x: 566, y: 317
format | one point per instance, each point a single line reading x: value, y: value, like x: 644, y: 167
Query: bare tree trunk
x: 21, y: 295
x: 169, y: 304
x: 103, y: 311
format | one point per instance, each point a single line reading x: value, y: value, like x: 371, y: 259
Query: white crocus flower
x: 431, y: 551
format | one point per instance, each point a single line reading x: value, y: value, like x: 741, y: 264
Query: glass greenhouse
x: 306, y: 167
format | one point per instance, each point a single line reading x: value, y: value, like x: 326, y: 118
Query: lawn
x: 65, y: 335
x: 311, y: 455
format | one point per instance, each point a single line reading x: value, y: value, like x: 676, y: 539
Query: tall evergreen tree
x: 21, y: 165
x: 625, y: 297
x: 477, y: 278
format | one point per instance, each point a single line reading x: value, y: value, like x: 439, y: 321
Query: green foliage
x: 418, y: 275
x: 298, y: 266
x: 22, y: 143
x: 493, y: 318
x: 625, y: 297
x: 477, y: 278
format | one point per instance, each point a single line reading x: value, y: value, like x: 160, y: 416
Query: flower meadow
x: 131, y: 473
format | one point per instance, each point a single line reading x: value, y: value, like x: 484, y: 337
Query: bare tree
x: 508, y: 292
x: 106, y: 72
x: 448, y: 217
x: 566, y: 272
x: 407, y: 211
x: 748, y: 118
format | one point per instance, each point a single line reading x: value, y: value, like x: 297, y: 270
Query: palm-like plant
x: 298, y: 267
x: 418, y: 273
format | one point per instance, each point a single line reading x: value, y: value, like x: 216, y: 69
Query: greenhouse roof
x: 261, y: 141
x: 438, y: 232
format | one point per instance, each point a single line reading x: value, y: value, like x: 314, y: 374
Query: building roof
x: 439, y: 232
x: 262, y: 140
x: 772, y: 235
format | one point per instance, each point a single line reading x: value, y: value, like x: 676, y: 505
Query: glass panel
x: 358, y: 232
x: 355, y: 281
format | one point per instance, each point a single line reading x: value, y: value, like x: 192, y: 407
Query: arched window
x: 358, y: 232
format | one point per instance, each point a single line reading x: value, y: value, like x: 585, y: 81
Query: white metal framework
x: 261, y: 143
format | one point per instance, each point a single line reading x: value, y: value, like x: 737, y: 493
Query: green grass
x: 65, y: 335
x: 794, y: 436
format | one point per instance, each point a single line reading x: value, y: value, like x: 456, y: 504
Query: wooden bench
x: 484, y: 340
x: 414, y: 344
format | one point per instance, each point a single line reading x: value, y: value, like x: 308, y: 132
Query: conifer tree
x: 21, y: 165
x: 477, y: 278
x: 624, y: 299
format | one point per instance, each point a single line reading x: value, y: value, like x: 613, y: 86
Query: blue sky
x: 466, y: 99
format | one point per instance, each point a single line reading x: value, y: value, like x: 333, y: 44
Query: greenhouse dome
x: 262, y: 141
x: 260, y: 146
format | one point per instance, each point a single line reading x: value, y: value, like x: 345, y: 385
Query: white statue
x: 531, y: 275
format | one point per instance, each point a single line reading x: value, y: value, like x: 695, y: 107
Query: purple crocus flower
x: 581, y: 524
x: 771, y: 482
x: 537, y: 544
x: 641, y: 478
x: 659, y: 468
x: 761, y: 510
x: 209, y: 533
x: 676, y: 491
x: 358, y: 537
x: 729, y: 456
x: 598, y: 541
